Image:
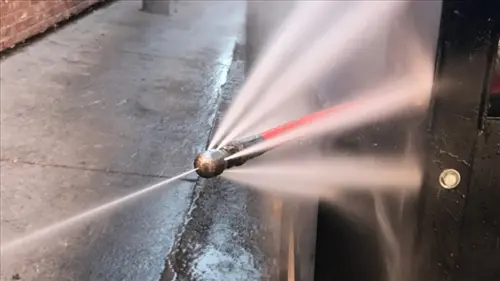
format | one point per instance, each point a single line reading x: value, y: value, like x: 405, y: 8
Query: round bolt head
x: 449, y: 178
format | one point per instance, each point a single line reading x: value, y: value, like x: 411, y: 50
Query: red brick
x: 17, y: 16
x: 41, y: 26
x: 55, y: 9
x: 21, y: 19
x: 33, y: 30
x: 8, y: 20
x: 44, y: 6
x: 80, y: 7
x: 5, y: 7
x: 52, y: 20
x: 8, y: 42
x: 6, y: 32
x: 13, y: 6
x: 26, y: 23
x: 22, y: 4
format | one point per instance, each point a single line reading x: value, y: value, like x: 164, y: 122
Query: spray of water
x: 332, y: 177
x: 302, y: 19
x: 331, y: 50
x: 326, y: 176
x: 389, y: 240
x: 82, y: 217
x: 376, y: 105
x: 409, y: 93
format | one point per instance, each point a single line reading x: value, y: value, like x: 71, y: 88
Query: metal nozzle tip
x: 210, y: 163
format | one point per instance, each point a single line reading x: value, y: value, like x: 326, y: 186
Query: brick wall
x: 21, y: 19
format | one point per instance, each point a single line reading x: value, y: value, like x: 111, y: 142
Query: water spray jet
x: 405, y: 95
x: 213, y: 162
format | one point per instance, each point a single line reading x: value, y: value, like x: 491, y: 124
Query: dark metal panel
x: 479, y: 249
x: 468, y: 35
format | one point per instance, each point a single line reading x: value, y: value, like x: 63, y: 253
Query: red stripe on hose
x: 284, y: 128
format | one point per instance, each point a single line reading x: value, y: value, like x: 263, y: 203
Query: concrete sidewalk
x: 103, y: 107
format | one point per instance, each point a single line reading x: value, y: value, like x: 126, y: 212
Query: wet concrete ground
x: 108, y: 105
x: 230, y: 231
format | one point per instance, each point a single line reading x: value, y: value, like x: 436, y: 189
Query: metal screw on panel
x: 449, y: 178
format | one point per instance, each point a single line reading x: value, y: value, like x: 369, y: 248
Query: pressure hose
x: 214, y: 162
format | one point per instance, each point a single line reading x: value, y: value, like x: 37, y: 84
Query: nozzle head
x: 210, y: 163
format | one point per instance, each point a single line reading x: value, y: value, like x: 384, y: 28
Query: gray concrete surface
x: 99, y: 109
